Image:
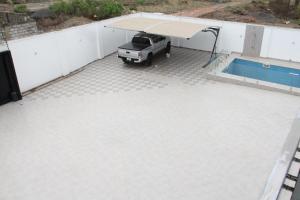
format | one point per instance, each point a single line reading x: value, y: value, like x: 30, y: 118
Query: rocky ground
x: 252, y: 12
x: 248, y: 11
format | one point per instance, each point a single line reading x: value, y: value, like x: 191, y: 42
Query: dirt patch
x: 58, y: 23
x: 253, y: 12
x: 173, y: 6
x: 205, y: 9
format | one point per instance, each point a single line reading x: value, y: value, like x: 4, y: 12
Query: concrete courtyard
x: 163, y: 132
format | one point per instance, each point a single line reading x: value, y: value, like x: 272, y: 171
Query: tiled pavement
x: 111, y: 75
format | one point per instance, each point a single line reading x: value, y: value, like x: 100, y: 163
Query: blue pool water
x: 259, y: 71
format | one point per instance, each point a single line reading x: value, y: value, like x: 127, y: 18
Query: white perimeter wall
x: 45, y: 57
x: 281, y: 43
x: 42, y: 58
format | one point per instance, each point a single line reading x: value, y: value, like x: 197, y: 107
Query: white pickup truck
x: 143, y: 47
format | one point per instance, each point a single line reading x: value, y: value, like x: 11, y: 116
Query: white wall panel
x: 266, y: 42
x: 111, y: 39
x: 281, y: 43
x: 232, y: 37
x: 36, y: 60
x: 77, y: 47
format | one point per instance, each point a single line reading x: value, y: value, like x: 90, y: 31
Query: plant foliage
x: 96, y: 9
x: 21, y: 8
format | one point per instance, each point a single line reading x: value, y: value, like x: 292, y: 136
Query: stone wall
x: 21, y: 30
x: 15, y: 26
x: 8, y: 18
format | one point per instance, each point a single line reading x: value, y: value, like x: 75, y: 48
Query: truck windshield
x: 141, y: 41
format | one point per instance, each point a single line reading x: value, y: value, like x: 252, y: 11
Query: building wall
x: 45, y: 57
x: 41, y: 58
x: 36, y: 60
x: 77, y: 47
x: 281, y: 43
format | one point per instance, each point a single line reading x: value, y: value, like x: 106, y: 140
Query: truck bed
x: 134, y: 47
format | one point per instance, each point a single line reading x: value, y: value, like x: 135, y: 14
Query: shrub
x: 74, y: 7
x: 61, y: 7
x: 80, y: 8
x: 239, y: 10
x: 109, y: 8
x: 21, y: 8
x: 297, y: 21
x: 93, y: 6
x: 88, y: 8
x: 141, y: 2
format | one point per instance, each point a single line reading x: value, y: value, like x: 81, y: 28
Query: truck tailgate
x: 128, y: 53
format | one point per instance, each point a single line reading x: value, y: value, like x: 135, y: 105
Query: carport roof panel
x: 177, y: 29
x: 136, y: 24
x: 160, y: 27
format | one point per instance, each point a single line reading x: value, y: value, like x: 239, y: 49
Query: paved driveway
x: 111, y: 75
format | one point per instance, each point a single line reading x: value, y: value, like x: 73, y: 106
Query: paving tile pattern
x: 111, y: 75
x: 186, y: 65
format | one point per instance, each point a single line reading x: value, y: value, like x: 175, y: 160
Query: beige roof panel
x: 160, y: 27
x: 177, y: 29
x: 135, y: 24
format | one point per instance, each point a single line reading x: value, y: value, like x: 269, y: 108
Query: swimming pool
x: 264, y: 72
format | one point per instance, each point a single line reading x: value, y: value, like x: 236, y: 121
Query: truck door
x: 162, y: 44
x: 155, y: 45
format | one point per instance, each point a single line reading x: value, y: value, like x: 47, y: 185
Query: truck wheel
x: 125, y: 60
x: 168, y: 48
x: 148, y: 62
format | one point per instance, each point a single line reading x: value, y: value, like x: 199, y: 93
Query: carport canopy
x: 178, y: 29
